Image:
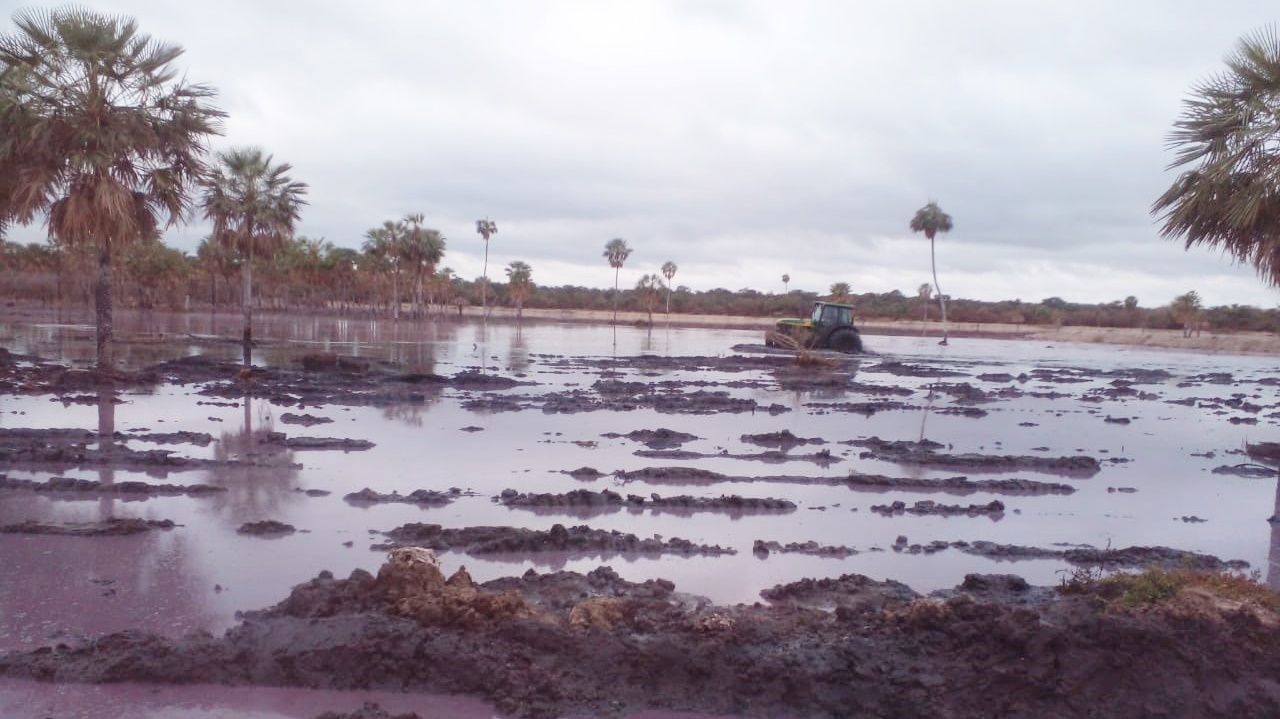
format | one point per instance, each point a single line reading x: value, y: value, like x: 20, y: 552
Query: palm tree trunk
x: 942, y: 298
x: 484, y: 286
x: 395, y: 293
x: 102, y: 308
x: 668, y: 299
x: 246, y: 276
x: 616, y: 270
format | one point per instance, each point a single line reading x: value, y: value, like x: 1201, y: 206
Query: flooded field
x: 1112, y: 448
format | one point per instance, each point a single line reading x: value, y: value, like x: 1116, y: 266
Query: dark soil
x: 266, y: 528
x: 118, y: 526
x: 92, y: 487
x: 993, y: 509
x: 925, y: 454
x: 504, y: 540
x: 594, y: 645
x: 421, y: 497
x: 854, y: 480
x: 589, y: 645
x: 608, y: 500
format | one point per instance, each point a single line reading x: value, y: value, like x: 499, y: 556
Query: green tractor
x: 829, y: 328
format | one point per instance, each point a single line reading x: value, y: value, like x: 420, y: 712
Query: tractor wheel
x: 845, y: 340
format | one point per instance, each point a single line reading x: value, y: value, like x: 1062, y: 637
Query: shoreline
x: 1247, y: 343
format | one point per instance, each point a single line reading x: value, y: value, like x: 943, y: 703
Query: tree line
x: 315, y: 275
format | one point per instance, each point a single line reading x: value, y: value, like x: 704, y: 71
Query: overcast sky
x: 739, y: 139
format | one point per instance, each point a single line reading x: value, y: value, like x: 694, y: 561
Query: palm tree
x: 519, y: 284
x: 377, y: 248
x: 385, y: 244
x: 254, y: 205
x: 485, y: 227
x: 421, y: 249
x: 444, y: 283
x: 101, y: 137
x: 340, y: 264
x: 1226, y: 196
x: 1186, y: 310
x: 669, y: 271
x: 649, y: 288
x: 840, y: 292
x: 617, y: 252
x: 220, y: 262
x: 786, y: 282
x: 924, y: 292
x: 931, y: 220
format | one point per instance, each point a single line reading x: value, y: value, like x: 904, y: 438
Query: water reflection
x: 518, y: 351
x: 255, y: 466
x: 108, y: 445
x: 1273, y: 556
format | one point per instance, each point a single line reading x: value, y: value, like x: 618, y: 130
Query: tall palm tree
x: 485, y: 227
x: 1226, y: 196
x: 254, y: 205
x: 101, y: 137
x: 931, y: 220
x: 786, y: 282
x: 669, y: 271
x: 617, y: 252
x: 519, y: 284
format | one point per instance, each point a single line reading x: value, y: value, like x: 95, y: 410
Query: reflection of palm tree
x: 409, y: 412
x: 518, y: 353
x: 255, y: 471
x: 107, y: 445
x: 1273, y: 557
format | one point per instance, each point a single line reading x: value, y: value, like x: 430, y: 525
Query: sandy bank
x: 1213, y: 342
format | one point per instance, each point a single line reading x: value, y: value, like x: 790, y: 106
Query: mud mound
x: 568, y: 644
x: 581, y: 538
x: 413, y: 587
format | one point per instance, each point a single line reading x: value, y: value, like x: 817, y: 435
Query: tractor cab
x: 830, y: 314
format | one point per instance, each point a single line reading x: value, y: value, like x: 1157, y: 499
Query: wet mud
x: 576, y: 645
x: 570, y: 644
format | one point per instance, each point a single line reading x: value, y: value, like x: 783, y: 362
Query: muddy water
x: 195, y: 577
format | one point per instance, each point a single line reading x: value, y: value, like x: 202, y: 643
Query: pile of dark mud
x: 568, y: 644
